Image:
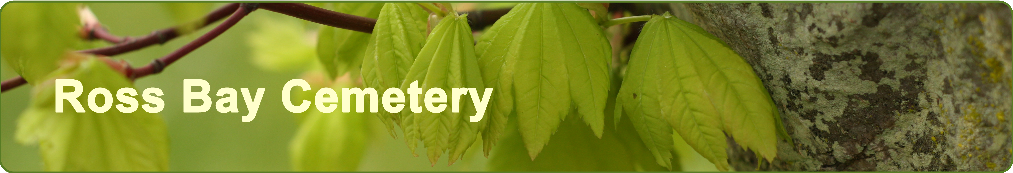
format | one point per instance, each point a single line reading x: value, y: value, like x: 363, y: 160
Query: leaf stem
x: 432, y: 8
x: 322, y: 16
x: 624, y: 20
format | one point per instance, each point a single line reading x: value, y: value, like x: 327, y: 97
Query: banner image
x: 505, y: 86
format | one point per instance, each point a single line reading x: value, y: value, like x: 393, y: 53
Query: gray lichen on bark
x: 889, y: 87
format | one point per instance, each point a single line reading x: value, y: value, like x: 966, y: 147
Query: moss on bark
x: 877, y: 86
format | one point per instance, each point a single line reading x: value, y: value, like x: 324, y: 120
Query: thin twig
x: 92, y: 29
x: 99, y: 33
x: 12, y: 83
x: 158, y: 65
x: 161, y: 36
x: 322, y: 16
x: 298, y: 10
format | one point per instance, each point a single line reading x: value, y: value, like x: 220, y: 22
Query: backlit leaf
x: 317, y: 78
x: 341, y: 50
x: 330, y: 141
x: 35, y: 36
x: 542, y: 57
x: 682, y: 77
x: 89, y: 141
x: 745, y: 106
x: 398, y: 36
x: 575, y: 148
x: 688, y: 159
x: 447, y: 61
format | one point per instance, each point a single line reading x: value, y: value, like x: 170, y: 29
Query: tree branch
x: 92, y: 29
x: 322, y: 16
x: 100, y: 33
x: 478, y: 19
x: 158, y: 65
x: 12, y: 83
x: 157, y: 37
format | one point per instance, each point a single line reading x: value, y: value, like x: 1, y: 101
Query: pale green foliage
x: 317, y: 78
x: 446, y: 61
x: 681, y: 77
x: 688, y: 159
x: 110, y: 141
x: 541, y: 58
x: 35, y: 36
x: 546, y: 61
x: 341, y: 50
x: 281, y: 44
x: 575, y: 148
x: 398, y: 36
x: 330, y: 141
x: 190, y: 15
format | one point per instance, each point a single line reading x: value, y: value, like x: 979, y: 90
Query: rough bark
x: 861, y: 87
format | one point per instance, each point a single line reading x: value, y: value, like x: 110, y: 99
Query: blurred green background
x: 213, y: 141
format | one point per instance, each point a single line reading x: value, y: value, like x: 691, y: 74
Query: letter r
x: 70, y: 97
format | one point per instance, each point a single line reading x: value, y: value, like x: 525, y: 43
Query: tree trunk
x: 866, y: 87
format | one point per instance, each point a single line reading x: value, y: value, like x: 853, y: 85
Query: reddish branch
x: 157, y: 37
x: 298, y: 10
x: 322, y: 16
x: 12, y: 83
x: 159, y: 64
x: 99, y: 33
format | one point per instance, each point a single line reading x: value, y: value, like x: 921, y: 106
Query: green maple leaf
x: 446, y: 61
x: 89, y: 141
x: 341, y: 50
x: 35, y: 36
x: 398, y: 37
x: 681, y: 77
x: 575, y: 148
x: 542, y: 57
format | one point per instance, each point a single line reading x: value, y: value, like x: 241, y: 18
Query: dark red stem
x: 12, y: 83
x: 99, y: 33
x: 322, y: 16
x: 159, y: 64
x: 481, y: 19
